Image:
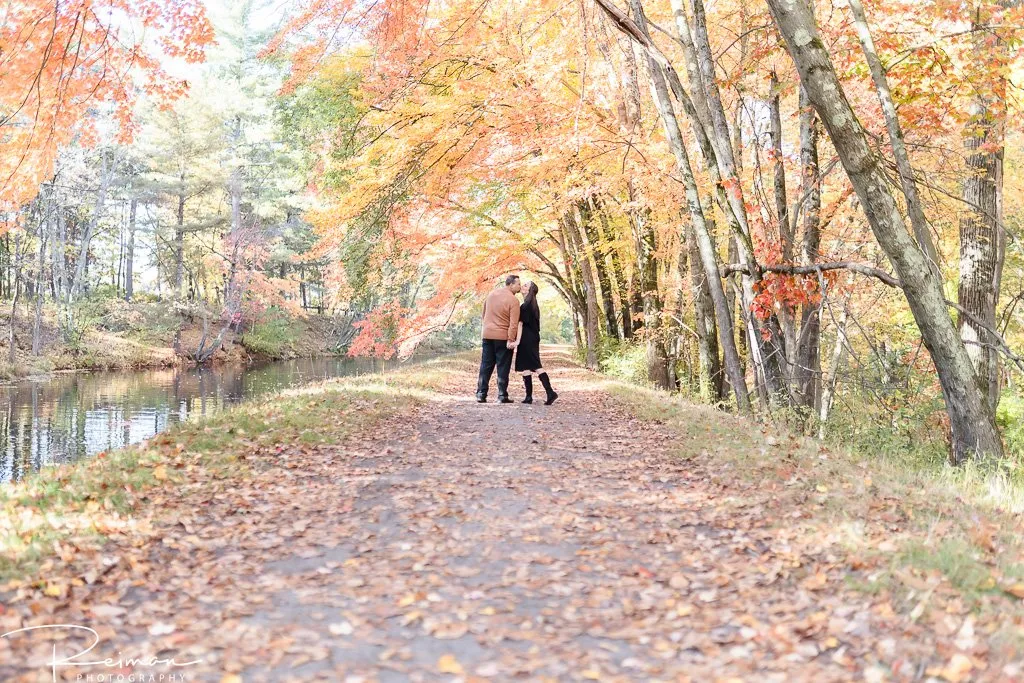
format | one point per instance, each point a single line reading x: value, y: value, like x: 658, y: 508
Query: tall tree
x: 982, y: 232
x: 973, y: 426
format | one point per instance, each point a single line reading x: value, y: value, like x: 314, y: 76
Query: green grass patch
x: 272, y: 336
x: 956, y: 559
x: 701, y: 428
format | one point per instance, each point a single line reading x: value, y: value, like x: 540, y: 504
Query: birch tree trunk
x: 807, y: 373
x: 37, y: 324
x: 786, y: 237
x: 82, y: 263
x: 973, y: 427
x: 708, y: 252
x: 892, y: 123
x: 982, y: 234
x: 838, y: 359
x: 711, y: 385
x: 129, y: 258
x: 590, y: 316
x: 17, y: 265
x: 598, y: 246
x: 179, y: 242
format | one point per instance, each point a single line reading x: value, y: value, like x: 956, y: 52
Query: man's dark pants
x: 495, y: 353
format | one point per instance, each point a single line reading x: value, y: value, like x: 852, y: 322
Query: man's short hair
x: 510, y: 279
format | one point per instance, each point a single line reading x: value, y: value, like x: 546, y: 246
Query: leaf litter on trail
x: 419, y: 548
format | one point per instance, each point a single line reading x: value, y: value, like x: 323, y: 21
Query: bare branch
x: 861, y: 268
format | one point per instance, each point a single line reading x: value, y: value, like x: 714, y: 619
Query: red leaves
x: 378, y: 332
x: 777, y: 290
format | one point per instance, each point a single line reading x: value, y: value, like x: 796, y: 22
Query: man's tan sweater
x: 501, y: 315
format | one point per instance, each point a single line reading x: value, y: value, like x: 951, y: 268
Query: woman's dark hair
x: 530, y: 300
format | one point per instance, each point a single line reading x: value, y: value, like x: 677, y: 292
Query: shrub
x: 1010, y: 417
x: 271, y: 336
x: 624, y: 360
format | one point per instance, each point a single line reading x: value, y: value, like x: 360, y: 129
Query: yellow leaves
x: 412, y: 617
x: 56, y: 590
x: 410, y: 598
x: 958, y: 669
x: 160, y: 473
x: 684, y: 610
x: 1016, y: 590
x: 447, y: 664
x: 231, y: 678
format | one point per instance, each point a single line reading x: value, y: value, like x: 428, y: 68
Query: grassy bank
x: 923, y: 538
x: 111, y: 334
x: 122, y: 495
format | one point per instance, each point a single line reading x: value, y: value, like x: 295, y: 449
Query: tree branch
x: 861, y: 268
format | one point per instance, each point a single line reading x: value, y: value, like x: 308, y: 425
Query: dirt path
x: 491, y: 541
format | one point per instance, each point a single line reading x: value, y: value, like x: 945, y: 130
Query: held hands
x: 512, y: 344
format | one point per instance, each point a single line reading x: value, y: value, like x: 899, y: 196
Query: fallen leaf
x: 1016, y: 590
x: 450, y: 631
x: 447, y: 664
x: 342, y: 628
x: 678, y: 581
x: 161, y: 628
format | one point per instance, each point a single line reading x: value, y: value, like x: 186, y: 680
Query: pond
x: 72, y: 416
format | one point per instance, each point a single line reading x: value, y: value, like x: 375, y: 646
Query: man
x: 501, y: 327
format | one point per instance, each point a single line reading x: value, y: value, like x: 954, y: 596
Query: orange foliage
x: 61, y: 60
x: 485, y: 121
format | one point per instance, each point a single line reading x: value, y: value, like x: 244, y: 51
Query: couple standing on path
x: 509, y: 326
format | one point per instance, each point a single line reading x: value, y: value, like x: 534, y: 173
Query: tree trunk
x: 807, y: 373
x: 711, y: 385
x: 11, y: 355
x: 647, y: 282
x: 786, y: 237
x: 766, y: 337
x: 129, y: 258
x: 708, y: 252
x: 179, y: 243
x: 973, y: 427
x: 982, y: 234
x: 711, y: 124
x: 5, y: 263
x: 599, y: 250
x: 60, y: 258
x: 37, y: 325
x: 616, y: 278
x: 82, y: 263
x: 590, y: 316
x: 892, y: 123
x: 838, y: 358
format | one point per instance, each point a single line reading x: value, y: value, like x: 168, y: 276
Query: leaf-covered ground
x: 440, y: 539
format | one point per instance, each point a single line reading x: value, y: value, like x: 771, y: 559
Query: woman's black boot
x: 528, y: 381
x: 552, y: 394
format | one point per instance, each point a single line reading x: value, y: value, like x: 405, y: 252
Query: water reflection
x: 73, y: 416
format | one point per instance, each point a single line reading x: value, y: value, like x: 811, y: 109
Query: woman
x: 528, y: 346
